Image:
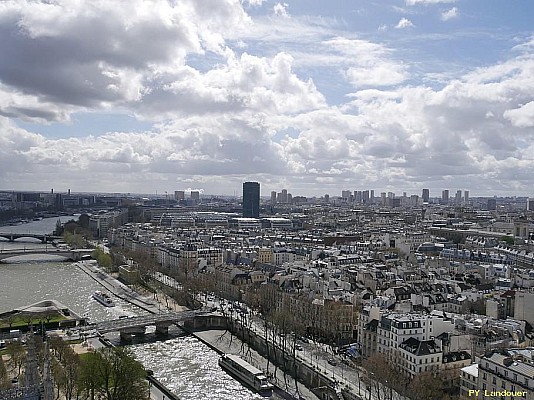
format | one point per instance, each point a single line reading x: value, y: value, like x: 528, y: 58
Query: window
x: 484, y: 376
x: 494, y: 380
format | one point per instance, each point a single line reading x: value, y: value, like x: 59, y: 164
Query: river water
x: 185, y: 365
x: 190, y: 369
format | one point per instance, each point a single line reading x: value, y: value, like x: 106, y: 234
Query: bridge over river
x: 67, y: 254
x: 44, y: 238
x: 137, y: 325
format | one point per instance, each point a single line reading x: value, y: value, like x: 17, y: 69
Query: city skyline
x: 395, y: 96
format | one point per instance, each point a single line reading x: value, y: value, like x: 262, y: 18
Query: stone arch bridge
x: 67, y: 254
x: 44, y: 238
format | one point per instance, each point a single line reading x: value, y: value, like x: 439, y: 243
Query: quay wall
x: 314, y: 378
x: 166, y: 392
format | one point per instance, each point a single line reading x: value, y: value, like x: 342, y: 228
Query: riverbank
x: 118, y: 288
x: 223, y: 341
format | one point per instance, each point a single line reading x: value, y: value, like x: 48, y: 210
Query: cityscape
x: 410, y: 294
x: 246, y: 199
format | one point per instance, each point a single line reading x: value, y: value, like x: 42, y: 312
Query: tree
x: 113, y: 374
x: 17, y: 355
x: 103, y: 259
x: 385, y: 380
x: 4, y: 378
x: 508, y: 240
x: 83, y: 221
x: 427, y: 385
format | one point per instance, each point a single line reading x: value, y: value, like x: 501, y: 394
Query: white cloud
x: 449, y: 14
x: 280, y: 9
x: 470, y: 133
x: 255, y: 2
x: 404, y: 23
x: 415, y: 2
x: 526, y: 46
x: 98, y: 54
x: 382, y: 28
x: 368, y: 64
x: 522, y: 117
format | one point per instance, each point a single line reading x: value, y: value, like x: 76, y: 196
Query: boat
x: 246, y: 373
x: 103, y: 298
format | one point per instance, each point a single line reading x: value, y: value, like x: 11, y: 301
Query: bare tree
x: 17, y: 355
x: 4, y: 377
x: 427, y: 385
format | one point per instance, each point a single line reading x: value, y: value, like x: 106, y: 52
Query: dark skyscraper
x: 426, y: 195
x: 251, y: 199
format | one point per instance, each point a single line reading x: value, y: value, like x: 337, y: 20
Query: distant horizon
x: 169, y: 194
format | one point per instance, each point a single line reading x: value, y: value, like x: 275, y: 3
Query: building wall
x: 524, y: 307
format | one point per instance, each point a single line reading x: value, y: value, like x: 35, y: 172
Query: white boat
x: 103, y: 298
x: 246, y: 373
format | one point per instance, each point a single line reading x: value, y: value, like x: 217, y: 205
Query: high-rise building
x: 445, y: 196
x: 372, y: 196
x: 345, y: 194
x: 365, y: 196
x: 273, y: 197
x: 251, y: 199
x: 426, y: 195
x: 492, y: 204
x: 284, y: 196
x: 195, y: 195
x: 530, y: 204
x: 179, y: 195
x: 458, y: 197
x: 466, y: 196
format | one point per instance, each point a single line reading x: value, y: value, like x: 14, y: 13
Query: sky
x: 309, y: 95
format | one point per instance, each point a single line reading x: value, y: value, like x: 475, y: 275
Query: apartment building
x: 501, y: 374
x: 417, y: 356
x: 396, y: 328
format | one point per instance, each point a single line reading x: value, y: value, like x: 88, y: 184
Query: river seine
x: 185, y: 365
